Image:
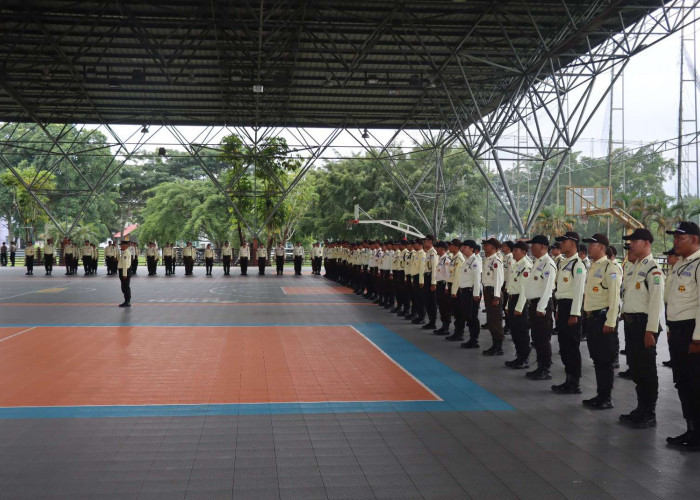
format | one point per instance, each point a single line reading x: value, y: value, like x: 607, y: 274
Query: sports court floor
x: 292, y: 387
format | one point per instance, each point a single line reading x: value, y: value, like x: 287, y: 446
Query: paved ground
x: 479, y: 430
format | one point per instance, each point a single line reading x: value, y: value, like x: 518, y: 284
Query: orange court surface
x: 165, y: 365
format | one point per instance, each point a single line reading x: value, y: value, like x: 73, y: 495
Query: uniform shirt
x: 95, y: 252
x: 135, y: 253
x: 429, y: 262
x: 188, y: 252
x: 124, y: 263
x: 167, y: 252
x: 470, y: 273
x: 13, y: 248
x: 299, y: 251
x: 262, y: 253
x: 86, y: 251
x: 571, y: 281
x: 492, y: 274
x: 68, y: 249
x: 29, y: 251
x: 603, y: 289
x: 644, y: 291
x: 587, y: 263
x: 209, y: 253
x: 519, y: 272
x: 244, y: 252
x: 684, y: 293
x: 48, y: 249
x: 540, y: 282
x: 109, y: 251
x: 396, y: 260
x: 365, y: 256
x: 508, y: 261
x: 456, y: 264
x: 419, y: 265
x: 316, y: 252
x: 226, y: 251
x: 279, y: 251
x: 442, y: 268
x: 151, y: 252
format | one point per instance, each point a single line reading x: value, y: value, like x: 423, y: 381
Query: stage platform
x: 293, y: 387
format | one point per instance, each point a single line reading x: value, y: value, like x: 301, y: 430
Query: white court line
x: 33, y: 291
x: 20, y: 333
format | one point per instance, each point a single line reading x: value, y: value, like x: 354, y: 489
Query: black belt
x: 471, y: 288
x: 488, y: 287
x: 632, y: 317
x: 597, y: 312
x: 442, y: 282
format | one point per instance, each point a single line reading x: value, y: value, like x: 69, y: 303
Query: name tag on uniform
x: 566, y: 280
x: 595, y: 288
x: 681, y: 288
x: 638, y: 285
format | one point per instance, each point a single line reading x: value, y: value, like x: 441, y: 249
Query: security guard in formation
x: 226, y: 254
x: 169, y: 259
x: 124, y: 271
x: 279, y: 258
x: 520, y: 269
x: 134, y: 249
x: 209, y: 259
x: 68, y: 256
x: 48, y: 256
x: 469, y: 276
x: 298, y: 258
x: 86, y: 254
x: 492, y: 280
x: 262, y: 259
x: 29, y: 258
x: 316, y: 258
x: 570, y: 283
x: 243, y: 256
x: 188, y: 255
x: 152, y: 256
x: 111, y: 258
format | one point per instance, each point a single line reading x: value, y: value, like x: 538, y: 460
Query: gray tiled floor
x: 548, y: 447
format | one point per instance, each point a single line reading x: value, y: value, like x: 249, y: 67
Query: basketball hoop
x: 351, y: 223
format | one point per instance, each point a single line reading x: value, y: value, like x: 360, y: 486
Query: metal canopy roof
x: 375, y: 64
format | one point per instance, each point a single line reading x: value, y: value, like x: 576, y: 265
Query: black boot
x: 678, y: 439
x: 495, y: 350
x: 456, y: 336
x: 470, y: 344
x: 560, y: 388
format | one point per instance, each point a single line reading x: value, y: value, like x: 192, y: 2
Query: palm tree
x: 553, y: 221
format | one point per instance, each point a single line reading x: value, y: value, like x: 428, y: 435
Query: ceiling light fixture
x: 365, y: 134
x: 144, y: 130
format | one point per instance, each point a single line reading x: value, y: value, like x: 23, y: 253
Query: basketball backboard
x: 579, y: 200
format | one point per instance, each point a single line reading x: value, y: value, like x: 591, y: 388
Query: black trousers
x: 443, y: 301
x: 603, y: 350
x: 429, y: 298
x: 3, y: 259
x: 168, y: 264
x: 209, y: 264
x: 30, y: 263
x: 279, y: 260
x: 189, y: 265
x: 125, y: 282
x: 297, y: 264
x: 244, y: 265
x: 470, y: 308
x: 317, y: 261
x: 48, y: 262
x: 226, y: 261
x: 68, y: 261
x: 541, y: 331
x: 641, y: 359
x: 87, y: 264
x: 151, y: 264
x: 686, y: 368
x: 569, y: 339
x: 519, y: 327
x: 261, y: 265
x: 12, y: 259
x: 459, y: 307
x: 494, y: 318
x: 134, y: 264
x: 417, y: 296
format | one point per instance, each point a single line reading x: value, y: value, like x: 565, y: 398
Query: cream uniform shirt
x: 226, y: 251
x: 29, y: 251
x: 683, y: 297
x: 603, y: 289
x: 429, y: 262
x: 517, y: 278
x: 644, y: 291
x: 110, y: 251
x: 279, y: 251
x: 470, y: 273
x: 167, y: 251
x: 540, y: 282
x: 316, y: 252
x: 298, y: 251
x: 508, y: 261
x: 442, y: 269
x: 262, y: 253
x: 124, y: 263
x: 209, y: 253
x: 492, y: 274
x: 244, y: 252
x: 188, y: 252
x: 455, y: 271
x: 571, y: 282
x: 48, y: 249
x: 419, y: 265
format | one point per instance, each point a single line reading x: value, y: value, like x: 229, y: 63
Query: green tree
x: 29, y: 209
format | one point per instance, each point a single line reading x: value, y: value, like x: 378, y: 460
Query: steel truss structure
x: 442, y: 73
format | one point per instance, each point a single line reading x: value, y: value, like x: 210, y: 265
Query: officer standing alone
x: 124, y: 270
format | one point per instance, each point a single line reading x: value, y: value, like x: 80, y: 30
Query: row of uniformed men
x: 536, y: 292
x: 72, y: 254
